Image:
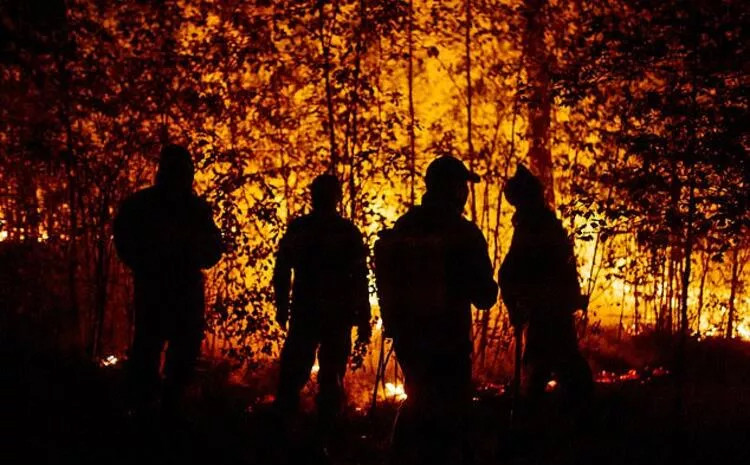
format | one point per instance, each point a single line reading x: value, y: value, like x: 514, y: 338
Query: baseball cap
x: 448, y: 169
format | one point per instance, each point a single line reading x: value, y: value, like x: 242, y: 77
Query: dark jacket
x: 166, y: 240
x: 434, y: 266
x: 329, y: 260
x: 538, y: 277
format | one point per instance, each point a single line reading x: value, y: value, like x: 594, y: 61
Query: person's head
x: 524, y: 189
x: 325, y: 191
x: 175, y: 172
x: 446, y: 179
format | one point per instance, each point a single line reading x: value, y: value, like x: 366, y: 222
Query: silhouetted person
x: 539, y: 285
x: 329, y: 297
x: 430, y: 268
x: 166, y: 234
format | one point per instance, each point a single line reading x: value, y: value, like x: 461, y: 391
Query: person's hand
x: 282, y: 316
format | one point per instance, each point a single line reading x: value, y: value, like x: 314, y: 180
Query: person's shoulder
x: 347, y: 225
x: 547, y: 227
x: 536, y: 220
x: 199, y: 202
x: 467, y: 224
x: 470, y: 230
x: 412, y: 216
x: 298, y: 222
x: 139, y: 198
x: 551, y: 221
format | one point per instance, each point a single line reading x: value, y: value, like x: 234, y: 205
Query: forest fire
x: 395, y: 391
x: 629, y: 117
x: 614, y: 239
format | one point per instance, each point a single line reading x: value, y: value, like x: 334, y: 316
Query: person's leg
x: 297, y: 359
x: 144, y: 360
x: 183, y: 351
x: 575, y: 378
x: 538, y: 374
x: 539, y: 358
x: 450, y: 375
x: 573, y: 370
x: 333, y: 355
x: 405, y: 429
x: 535, y: 414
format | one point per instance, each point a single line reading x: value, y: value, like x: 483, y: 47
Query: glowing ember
x: 491, y: 389
x: 606, y: 377
x: 551, y: 385
x: 395, y: 391
x: 266, y: 399
x: 609, y: 377
x: 109, y: 361
x: 631, y: 375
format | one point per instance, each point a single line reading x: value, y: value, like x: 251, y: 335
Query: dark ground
x: 64, y: 411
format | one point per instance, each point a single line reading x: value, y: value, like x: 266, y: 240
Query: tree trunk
x: 353, y: 163
x: 670, y: 292
x: 540, y: 102
x: 410, y: 77
x: 330, y: 124
x: 704, y: 273
x: 72, y: 181
x: 636, y: 302
x: 101, y: 279
x: 659, y: 297
x: 733, y: 292
x: 687, y: 268
x: 469, y: 92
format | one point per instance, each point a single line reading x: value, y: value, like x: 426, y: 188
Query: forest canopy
x: 633, y: 113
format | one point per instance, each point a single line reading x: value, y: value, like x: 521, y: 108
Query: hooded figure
x: 166, y: 235
x: 430, y: 268
x: 539, y: 285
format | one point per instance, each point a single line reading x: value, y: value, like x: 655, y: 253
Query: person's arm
x: 509, y: 288
x: 521, y: 274
x: 210, y: 246
x: 361, y: 302
x: 125, y: 234
x: 484, y: 288
x: 282, y: 276
x: 385, y: 278
x: 565, y: 272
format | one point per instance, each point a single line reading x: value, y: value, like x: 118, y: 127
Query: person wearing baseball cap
x: 446, y: 181
x: 430, y: 268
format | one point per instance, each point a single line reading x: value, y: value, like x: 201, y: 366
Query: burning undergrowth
x: 625, y: 361
x: 614, y: 362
